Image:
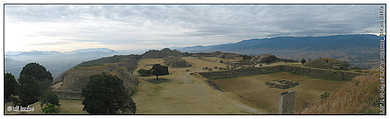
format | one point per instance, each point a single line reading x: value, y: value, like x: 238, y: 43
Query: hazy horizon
x: 126, y: 27
x: 154, y: 48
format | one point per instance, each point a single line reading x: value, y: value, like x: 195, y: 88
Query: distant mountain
x: 57, y: 62
x: 92, y: 50
x: 135, y: 51
x: 13, y: 66
x: 360, y: 49
x: 36, y: 53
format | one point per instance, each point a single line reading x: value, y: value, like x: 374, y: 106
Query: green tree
x: 158, y: 70
x: 50, y: 108
x: 303, y: 61
x: 34, y: 81
x: 10, y: 86
x: 50, y: 98
x: 50, y: 102
x: 106, y: 94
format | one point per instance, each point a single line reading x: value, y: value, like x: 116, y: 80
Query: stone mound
x: 282, y: 84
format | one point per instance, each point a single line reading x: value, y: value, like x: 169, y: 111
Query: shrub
x: 324, y: 95
x: 50, y: 108
x: 50, y: 98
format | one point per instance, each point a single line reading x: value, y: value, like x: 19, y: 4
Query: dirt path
x: 185, y: 94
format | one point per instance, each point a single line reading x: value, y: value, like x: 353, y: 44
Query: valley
x: 208, y: 83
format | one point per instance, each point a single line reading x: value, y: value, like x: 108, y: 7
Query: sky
x: 126, y: 27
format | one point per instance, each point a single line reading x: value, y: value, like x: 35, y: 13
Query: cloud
x: 158, y: 26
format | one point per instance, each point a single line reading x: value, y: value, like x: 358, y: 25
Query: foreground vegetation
x: 104, y: 94
x: 359, y: 96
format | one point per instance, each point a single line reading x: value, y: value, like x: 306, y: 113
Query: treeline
x: 32, y: 86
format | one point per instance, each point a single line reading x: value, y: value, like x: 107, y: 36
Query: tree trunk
x: 156, y: 77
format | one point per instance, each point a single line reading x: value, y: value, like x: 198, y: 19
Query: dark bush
x: 50, y: 98
x: 50, y: 108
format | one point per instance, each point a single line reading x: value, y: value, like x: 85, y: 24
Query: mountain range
x: 360, y: 49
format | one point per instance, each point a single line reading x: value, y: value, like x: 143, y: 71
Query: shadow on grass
x: 160, y: 80
x: 215, y: 86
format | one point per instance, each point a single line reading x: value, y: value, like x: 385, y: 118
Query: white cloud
x: 63, y: 28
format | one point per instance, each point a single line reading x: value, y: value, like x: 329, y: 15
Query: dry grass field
x: 253, y: 91
x: 357, y: 97
x: 184, y: 94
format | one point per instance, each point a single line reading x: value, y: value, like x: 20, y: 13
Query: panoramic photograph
x: 217, y: 59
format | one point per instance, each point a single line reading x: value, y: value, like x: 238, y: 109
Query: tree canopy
x: 50, y: 98
x: 158, y: 70
x: 303, y: 61
x: 106, y: 94
x: 10, y: 86
x: 34, y: 81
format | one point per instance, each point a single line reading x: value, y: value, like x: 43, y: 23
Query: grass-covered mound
x: 266, y: 58
x: 162, y: 53
x: 72, y: 81
x: 176, y: 62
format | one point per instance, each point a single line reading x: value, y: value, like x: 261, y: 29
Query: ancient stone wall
x: 326, y: 74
